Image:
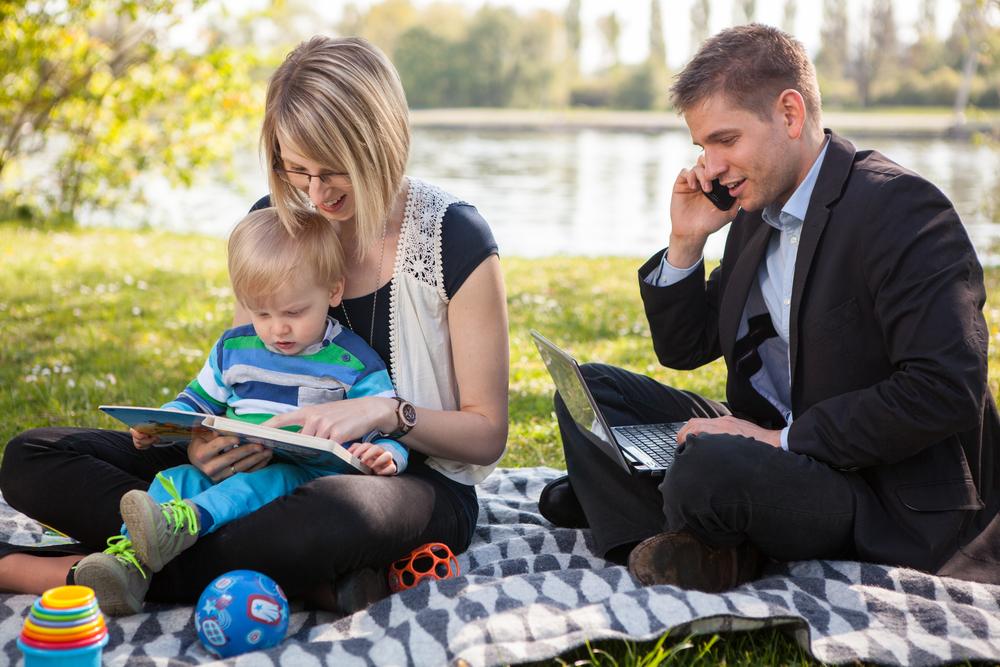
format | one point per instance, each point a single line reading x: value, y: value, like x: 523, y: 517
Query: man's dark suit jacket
x: 888, y: 349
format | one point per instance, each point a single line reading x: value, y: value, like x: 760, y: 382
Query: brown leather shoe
x: 559, y: 505
x: 679, y: 559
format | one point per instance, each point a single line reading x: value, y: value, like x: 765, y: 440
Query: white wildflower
x: 142, y: 284
x: 100, y: 384
x: 111, y: 378
x: 137, y: 311
x: 46, y: 371
x: 31, y: 378
x: 77, y: 312
x: 70, y: 383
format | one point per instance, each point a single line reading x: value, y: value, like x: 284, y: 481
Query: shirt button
x: 787, y: 301
x: 794, y: 239
x: 346, y: 357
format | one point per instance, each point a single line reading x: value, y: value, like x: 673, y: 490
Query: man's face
x: 755, y: 159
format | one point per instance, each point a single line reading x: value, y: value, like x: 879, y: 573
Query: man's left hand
x: 732, y: 426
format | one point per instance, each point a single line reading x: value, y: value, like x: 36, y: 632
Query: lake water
x: 585, y: 192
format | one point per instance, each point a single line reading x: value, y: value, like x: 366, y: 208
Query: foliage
x: 93, y: 84
x: 499, y: 59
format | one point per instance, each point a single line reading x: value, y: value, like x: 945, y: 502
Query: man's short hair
x: 265, y: 256
x: 750, y: 65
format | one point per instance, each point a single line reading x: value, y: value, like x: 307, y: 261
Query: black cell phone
x: 720, y: 196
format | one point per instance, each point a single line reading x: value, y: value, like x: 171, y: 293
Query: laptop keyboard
x: 652, y: 440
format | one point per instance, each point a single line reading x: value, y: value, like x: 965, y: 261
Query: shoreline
x: 929, y: 125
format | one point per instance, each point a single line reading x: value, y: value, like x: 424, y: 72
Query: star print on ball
x: 239, y: 612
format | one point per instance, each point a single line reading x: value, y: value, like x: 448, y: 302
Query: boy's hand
x: 143, y: 440
x: 375, y: 457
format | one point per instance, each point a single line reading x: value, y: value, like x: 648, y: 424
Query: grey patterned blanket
x: 529, y: 592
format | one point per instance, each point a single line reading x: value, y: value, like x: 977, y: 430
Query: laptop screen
x: 570, y: 383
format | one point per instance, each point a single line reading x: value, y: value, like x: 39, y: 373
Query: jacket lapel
x: 734, y: 298
x: 829, y: 187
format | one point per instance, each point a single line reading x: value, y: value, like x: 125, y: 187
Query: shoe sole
x: 139, y: 519
x: 108, y: 583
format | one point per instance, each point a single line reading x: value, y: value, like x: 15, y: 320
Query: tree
x: 744, y: 11
x: 92, y: 81
x: 876, y: 51
x: 611, y: 30
x: 657, y: 45
x: 833, y: 50
x: 968, y: 25
x: 574, y: 30
x: 788, y: 20
x: 700, y: 12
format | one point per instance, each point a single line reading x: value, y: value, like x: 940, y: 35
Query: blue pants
x: 234, y: 497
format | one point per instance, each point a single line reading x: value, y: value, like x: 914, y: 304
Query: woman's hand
x: 221, y: 456
x: 341, y: 421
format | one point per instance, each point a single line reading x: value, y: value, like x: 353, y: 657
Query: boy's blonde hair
x: 264, y: 256
x: 339, y: 103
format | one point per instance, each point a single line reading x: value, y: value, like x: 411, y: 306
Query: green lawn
x: 114, y: 317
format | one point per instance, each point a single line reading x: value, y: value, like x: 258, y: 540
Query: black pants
x: 73, y: 480
x: 722, y: 489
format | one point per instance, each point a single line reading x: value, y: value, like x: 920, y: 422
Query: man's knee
x: 708, y: 469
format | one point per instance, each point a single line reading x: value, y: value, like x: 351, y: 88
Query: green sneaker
x: 116, y: 577
x: 160, y: 531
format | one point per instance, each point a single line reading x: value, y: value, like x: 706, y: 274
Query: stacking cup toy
x: 65, y: 628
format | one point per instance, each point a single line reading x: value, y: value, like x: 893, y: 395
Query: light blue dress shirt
x: 775, y: 276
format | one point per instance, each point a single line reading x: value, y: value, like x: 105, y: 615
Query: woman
x: 424, y: 287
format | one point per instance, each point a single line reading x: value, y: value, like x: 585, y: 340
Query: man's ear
x: 336, y: 293
x: 792, y: 109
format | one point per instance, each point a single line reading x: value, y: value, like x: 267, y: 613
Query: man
x: 848, y: 308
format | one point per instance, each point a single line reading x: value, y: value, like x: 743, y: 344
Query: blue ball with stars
x: 239, y: 612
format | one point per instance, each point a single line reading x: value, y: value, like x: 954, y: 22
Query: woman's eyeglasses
x: 302, y: 179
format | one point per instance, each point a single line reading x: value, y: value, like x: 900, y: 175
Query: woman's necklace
x: 378, y: 279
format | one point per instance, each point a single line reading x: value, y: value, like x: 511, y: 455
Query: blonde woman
x: 424, y: 289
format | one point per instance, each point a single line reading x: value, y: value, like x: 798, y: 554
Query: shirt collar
x: 798, y: 204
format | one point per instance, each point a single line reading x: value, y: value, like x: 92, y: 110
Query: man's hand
x: 375, y: 457
x: 732, y: 426
x: 693, y: 217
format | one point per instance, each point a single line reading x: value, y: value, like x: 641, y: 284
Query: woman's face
x: 334, y: 200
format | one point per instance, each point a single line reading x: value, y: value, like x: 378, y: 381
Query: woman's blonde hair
x: 265, y: 255
x: 339, y: 103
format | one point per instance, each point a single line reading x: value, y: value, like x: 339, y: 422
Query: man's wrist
x: 684, y: 255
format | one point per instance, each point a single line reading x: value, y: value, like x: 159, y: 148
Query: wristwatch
x: 406, y: 416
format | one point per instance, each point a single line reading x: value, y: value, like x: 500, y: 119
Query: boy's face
x: 295, y: 318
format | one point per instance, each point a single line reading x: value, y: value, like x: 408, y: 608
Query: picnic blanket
x: 529, y: 591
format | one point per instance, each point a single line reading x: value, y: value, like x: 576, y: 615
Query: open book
x: 173, y: 426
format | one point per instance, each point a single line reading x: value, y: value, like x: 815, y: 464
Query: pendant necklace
x: 378, y: 279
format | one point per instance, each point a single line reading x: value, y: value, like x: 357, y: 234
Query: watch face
x: 409, y: 413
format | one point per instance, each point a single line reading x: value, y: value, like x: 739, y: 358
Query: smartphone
x: 720, y: 196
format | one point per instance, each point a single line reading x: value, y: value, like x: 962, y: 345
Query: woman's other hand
x: 220, y: 456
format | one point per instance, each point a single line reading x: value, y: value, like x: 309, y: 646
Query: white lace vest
x: 420, y: 340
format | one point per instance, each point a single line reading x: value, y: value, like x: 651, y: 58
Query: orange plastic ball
x: 431, y: 561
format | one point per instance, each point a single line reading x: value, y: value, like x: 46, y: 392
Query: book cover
x: 172, y: 426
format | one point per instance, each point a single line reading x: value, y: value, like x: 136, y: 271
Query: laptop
x: 642, y: 450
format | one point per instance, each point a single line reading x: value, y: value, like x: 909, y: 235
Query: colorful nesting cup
x: 64, y: 628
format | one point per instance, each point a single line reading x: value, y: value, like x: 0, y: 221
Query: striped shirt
x: 243, y: 379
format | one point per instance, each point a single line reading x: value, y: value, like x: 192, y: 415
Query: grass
x: 92, y: 317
